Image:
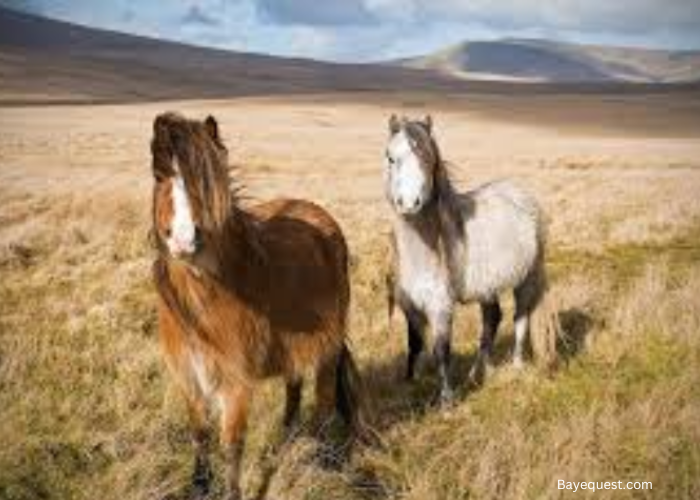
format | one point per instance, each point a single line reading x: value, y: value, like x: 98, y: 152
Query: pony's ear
x: 428, y: 122
x: 162, y: 145
x: 212, y: 128
x: 163, y: 137
x: 394, y: 124
x: 161, y: 129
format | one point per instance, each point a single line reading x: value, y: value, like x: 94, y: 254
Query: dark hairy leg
x: 416, y: 341
x: 292, y: 405
x: 491, y: 316
x: 201, y: 440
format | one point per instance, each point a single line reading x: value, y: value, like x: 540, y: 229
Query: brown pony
x: 244, y: 294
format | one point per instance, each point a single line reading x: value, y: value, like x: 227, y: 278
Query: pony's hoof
x: 447, y: 398
x: 367, y: 437
x: 200, y: 492
x: 480, y: 371
x: 201, y: 484
x: 330, y: 457
x: 200, y: 495
x: 477, y: 374
x: 291, y: 432
x: 518, y: 363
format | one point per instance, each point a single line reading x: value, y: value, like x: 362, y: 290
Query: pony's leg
x: 201, y: 438
x: 325, y: 394
x: 491, y: 316
x: 177, y: 358
x: 416, y: 325
x: 522, y: 329
x: 234, y: 417
x: 442, y: 350
x: 294, y: 386
x: 351, y: 398
x: 526, y: 297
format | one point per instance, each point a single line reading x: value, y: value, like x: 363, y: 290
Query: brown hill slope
x: 544, y: 60
x: 48, y: 61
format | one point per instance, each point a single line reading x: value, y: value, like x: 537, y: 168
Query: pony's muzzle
x: 187, y: 246
x: 408, y: 205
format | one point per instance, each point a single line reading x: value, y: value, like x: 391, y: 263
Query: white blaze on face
x: 408, y: 187
x: 182, y: 236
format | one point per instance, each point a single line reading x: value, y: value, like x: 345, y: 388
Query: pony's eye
x: 390, y: 159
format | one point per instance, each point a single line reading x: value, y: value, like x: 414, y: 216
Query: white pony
x: 458, y: 247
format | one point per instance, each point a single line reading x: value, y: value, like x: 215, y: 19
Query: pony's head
x: 191, y: 196
x: 413, y: 165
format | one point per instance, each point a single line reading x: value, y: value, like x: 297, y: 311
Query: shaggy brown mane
x: 195, y: 149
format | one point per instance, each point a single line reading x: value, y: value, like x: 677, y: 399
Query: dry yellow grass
x: 87, y: 411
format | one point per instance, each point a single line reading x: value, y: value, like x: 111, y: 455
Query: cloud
x: 35, y: 6
x: 620, y: 16
x: 372, y: 30
x: 196, y: 15
x: 315, y: 12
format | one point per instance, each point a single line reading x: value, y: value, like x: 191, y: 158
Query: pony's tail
x: 390, y: 299
x: 545, y: 327
x: 351, y: 401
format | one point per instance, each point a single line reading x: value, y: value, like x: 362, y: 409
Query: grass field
x: 87, y: 410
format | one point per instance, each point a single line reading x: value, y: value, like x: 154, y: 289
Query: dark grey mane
x: 445, y: 197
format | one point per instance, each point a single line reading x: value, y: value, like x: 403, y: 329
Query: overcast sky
x: 366, y: 30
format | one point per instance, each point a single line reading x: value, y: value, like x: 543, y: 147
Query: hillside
x: 547, y: 61
x: 48, y: 61
x: 53, y: 61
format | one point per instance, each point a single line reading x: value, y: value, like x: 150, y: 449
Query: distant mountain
x: 43, y: 60
x: 548, y: 61
x: 49, y: 61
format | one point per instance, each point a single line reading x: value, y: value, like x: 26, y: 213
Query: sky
x: 374, y: 30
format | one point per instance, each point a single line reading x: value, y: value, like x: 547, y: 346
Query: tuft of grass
x: 624, y: 262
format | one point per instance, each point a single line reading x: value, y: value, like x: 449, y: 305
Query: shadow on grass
x: 395, y: 399
x: 576, y: 325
